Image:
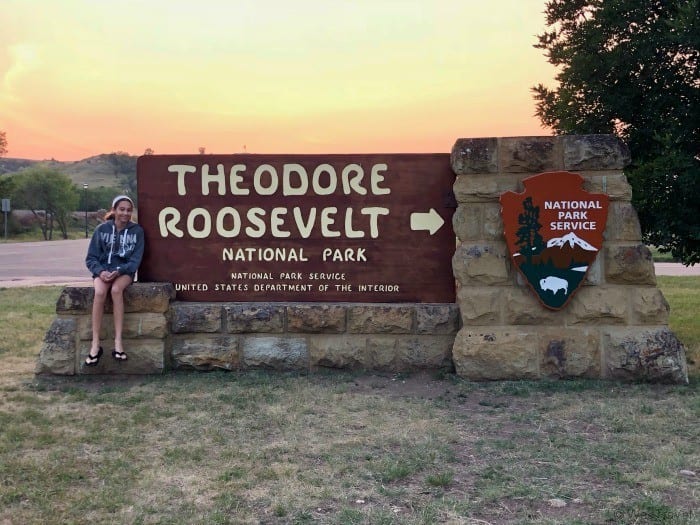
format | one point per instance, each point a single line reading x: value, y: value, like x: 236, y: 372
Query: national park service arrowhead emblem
x: 554, y: 231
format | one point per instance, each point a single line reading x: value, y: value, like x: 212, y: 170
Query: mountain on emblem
x: 573, y: 240
x: 554, y: 231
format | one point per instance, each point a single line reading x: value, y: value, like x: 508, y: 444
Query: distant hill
x: 107, y: 169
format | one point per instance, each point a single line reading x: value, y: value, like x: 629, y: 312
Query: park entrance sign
x: 321, y: 228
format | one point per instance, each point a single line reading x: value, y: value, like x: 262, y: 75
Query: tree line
x: 52, y: 197
x: 630, y: 68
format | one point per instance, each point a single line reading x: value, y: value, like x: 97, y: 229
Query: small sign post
x: 6, y: 210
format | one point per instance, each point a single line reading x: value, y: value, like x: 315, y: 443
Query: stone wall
x: 146, y: 332
x: 312, y: 336
x: 614, y: 327
x: 161, y: 335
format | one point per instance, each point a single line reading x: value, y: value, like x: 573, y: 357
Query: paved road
x: 63, y: 262
x: 44, y: 263
x: 676, y: 269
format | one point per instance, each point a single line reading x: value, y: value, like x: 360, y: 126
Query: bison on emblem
x: 554, y: 284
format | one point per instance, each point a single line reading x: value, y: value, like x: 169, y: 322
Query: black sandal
x: 119, y: 356
x: 92, y: 360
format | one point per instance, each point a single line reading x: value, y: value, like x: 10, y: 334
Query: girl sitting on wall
x: 113, y: 256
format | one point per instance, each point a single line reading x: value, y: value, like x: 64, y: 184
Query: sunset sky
x: 83, y: 77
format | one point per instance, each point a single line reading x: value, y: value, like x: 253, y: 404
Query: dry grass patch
x: 338, y: 448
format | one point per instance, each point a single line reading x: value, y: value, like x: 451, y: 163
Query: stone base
x: 514, y: 353
x: 161, y: 335
x: 145, y: 335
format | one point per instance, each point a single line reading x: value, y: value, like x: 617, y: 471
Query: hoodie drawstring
x: 111, y: 246
x: 122, y: 244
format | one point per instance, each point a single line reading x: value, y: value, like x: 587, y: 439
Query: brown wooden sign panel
x: 340, y: 228
x: 554, y: 231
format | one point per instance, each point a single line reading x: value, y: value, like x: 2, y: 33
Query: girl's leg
x: 118, y: 287
x: 98, y: 307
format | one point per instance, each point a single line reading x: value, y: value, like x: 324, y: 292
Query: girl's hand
x: 108, y: 277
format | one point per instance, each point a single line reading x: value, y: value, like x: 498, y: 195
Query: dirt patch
x: 419, y: 385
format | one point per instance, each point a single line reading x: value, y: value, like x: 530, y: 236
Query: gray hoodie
x: 110, y: 250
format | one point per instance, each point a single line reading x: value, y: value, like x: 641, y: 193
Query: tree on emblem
x: 530, y: 241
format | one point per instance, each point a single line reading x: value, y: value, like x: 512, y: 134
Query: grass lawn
x: 341, y: 448
x: 683, y: 294
x: 661, y: 257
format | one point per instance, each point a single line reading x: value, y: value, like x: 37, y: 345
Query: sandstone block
x: 612, y: 183
x: 484, y: 188
x: 496, y: 353
x: 531, y: 154
x: 475, y: 156
x: 467, y: 222
x: 195, y: 317
x: 493, y: 228
x: 254, y: 318
x: 148, y: 297
x: 521, y: 307
x: 58, y: 351
x: 339, y: 351
x: 146, y: 356
x: 276, y: 353
x: 623, y: 223
x: 570, y: 352
x: 136, y: 326
x: 421, y: 353
x: 139, y: 297
x: 649, y: 306
x: 437, y: 319
x: 479, y: 305
x: 316, y: 318
x: 629, y: 264
x: 594, y: 152
x: 597, y: 305
x: 478, y: 221
x: 481, y: 264
x: 75, y: 300
x: 205, y: 353
x: 380, y: 319
x: 381, y: 352
x: 594, y: 276
x: 644, y: 353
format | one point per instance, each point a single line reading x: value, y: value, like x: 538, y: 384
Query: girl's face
x: 122, y: 212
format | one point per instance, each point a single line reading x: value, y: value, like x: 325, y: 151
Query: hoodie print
x: 125, y: 244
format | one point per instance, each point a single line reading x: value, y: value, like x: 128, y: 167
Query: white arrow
x: 430, y: 221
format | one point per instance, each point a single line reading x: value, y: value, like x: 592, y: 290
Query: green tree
x: 122, y: 162
x: 3, y: 143
x: 7, y: 188
x: 630, y: 67
x: 50, y: 195
x: 100, y: 198
x: 530, y: 241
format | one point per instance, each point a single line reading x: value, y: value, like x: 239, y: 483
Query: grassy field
x: 341, y: 448
x: 683, y: 294
x: 661, y: 257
